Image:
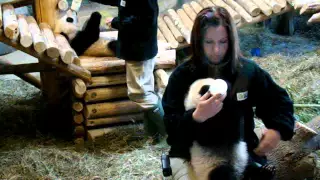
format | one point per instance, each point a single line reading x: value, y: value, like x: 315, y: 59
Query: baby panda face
x: 202, y: 86
x: 67, y: 24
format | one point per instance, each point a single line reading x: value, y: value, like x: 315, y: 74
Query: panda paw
x: 89, y: 35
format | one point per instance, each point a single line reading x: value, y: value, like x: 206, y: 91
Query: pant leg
x: 140, y: 83
x: 181, y: 170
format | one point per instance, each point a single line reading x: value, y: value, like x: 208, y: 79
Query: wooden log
x: 310, y: 8
x: 185, y: 19
x: 167, y: 33
x: 206, y: 3
x: 46, y: 11
x: 112, y: 79
x: 298, y: 4
x: 175, y: 32
x: 89, y: 59
x: 234, y: 14
x: 29, y: 78
x: 177, y: 21
x: 250, y: 7
x: 315, y: 124
x: 93, y: 134
x: 78, y: 87
x: 10, y: 22
x: 25, y: 34
x: 70, y: 69
x: 292, y: 159
x: 111, y: 109
x: 283, y: 3
x: 196, y: 6
x: 315, y: 18
x: 37, y: 37
x: 78, y: 118
x: 99, y: 65
x: 160, y: 36
x: 161, y: 78
x: 275, y: 6
x: 99, y: 48
x: 1, y: 23
x: 23, y: 68
x: 106, y: 93
x: 52, y: 47
x: 105, y: 67
x: 79, y: 131
x: 76, y: 4
x: 263, y: 17
x: 242, y: 12
x: 265, y: 8
x: 189, y: 11
x: 77, y: 106
x: 65, y: 50
x: 63, y: 5
x: 115, y: 119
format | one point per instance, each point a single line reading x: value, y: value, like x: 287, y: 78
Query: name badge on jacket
x: 242, y: 96
x: 123, y: 3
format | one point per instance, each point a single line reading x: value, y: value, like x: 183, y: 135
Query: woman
x: 216, y: 54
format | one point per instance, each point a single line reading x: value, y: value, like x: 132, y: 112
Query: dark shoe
x: 153, y: 122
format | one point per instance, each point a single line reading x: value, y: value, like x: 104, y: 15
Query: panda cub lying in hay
x: 218, y: 151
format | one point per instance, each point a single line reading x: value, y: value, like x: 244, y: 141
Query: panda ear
x: 204, y: 89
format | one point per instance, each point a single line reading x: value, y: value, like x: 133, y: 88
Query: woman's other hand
x: 269, y: 140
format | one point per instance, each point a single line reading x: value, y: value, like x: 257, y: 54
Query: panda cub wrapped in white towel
x: 218, y: 152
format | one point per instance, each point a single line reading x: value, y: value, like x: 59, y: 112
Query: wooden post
x: 47, y: 12
x: 55, y: 87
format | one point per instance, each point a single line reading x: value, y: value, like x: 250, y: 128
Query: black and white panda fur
x: 217, y: 152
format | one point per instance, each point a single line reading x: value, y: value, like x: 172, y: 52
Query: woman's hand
x: 269, y: 140
x: 208, y: 107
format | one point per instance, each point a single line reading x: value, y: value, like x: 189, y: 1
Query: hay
x: 124, y: 154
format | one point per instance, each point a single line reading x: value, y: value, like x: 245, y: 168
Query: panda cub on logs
x: 218, y: 152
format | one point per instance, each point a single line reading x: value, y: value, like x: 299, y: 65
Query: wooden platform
x: 71, y: 69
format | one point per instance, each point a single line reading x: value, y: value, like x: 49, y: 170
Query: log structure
x: 104, y: 102
x: 296, y: 159
x: 179, y: 22
x: 34, y: 36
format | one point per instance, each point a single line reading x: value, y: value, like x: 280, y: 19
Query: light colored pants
x: 140, y: 83
x: 181, y: 169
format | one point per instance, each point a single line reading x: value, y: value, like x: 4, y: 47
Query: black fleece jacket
x: 272, y: 103
x: 137, y: 25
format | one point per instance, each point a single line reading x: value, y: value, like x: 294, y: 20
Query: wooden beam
x: 18, y: 3
x: 263, y: 17
x: 23, y: 68
x: 26, y: 77
x: 72, y: 69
